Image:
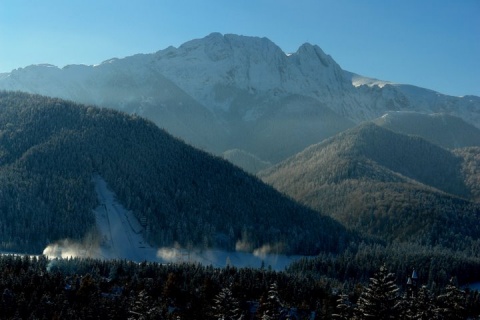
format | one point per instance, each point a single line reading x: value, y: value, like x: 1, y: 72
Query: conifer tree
x: 344, y: 308
x: 143, y: 307
x: 452, y: 302
x: 226, y: 306
x: 420, y: 307
x: 380, y: 299
x: 270, y: 308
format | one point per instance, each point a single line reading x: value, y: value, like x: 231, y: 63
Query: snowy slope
x: 121, y: 233
x: 358, y: 80
x: 206, y: 68
x: 120, y: 236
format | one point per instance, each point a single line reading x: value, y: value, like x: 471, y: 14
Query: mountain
x: 388, y: 185
x: 50, y: 149
x: 128, y: 85
x: 443, y: 129
x: 230, y: 92
x: 378, y: 95
x: 245, y: 160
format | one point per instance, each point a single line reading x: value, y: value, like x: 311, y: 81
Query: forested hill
x: 443, y: 129
x: 50, y: 149
x: 389, y: 185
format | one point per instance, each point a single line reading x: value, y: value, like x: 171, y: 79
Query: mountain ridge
x: 387, y: 185
x: 442, y: 129
x: 215, y: 91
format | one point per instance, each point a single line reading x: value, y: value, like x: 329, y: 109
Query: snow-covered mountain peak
x: 218, y: 47
x: 308, y: 51
x: 206, y: 67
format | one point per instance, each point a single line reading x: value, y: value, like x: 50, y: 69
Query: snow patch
x: 46, y: 65
x: 358, y: 81
x: 109, y: 61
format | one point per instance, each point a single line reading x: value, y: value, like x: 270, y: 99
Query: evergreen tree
x: 345, y: 308
x: 226, y: 306
x: 420, y: 307
x: 143, y: 307
x: 270, y: 307
x: 452, y: 302
x: 380, y: 299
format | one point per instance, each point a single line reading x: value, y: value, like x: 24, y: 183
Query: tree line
x: 36, y: 288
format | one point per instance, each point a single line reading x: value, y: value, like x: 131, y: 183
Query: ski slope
x: 121, y: 237
x: 121, y: 233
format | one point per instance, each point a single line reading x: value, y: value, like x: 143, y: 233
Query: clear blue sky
x: 430, y: 43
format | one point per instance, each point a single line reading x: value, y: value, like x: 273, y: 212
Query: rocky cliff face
x: 205, y: 68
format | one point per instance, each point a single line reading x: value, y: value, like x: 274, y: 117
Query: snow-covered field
x: 121, y: 237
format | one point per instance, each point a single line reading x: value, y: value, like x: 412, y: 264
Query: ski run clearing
x: 121, y: 237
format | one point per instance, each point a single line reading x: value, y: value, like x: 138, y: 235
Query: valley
x: 228, y: 159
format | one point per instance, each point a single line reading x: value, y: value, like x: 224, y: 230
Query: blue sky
x: 430, y: 43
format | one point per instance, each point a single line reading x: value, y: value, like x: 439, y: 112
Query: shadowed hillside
x: 49, y: 150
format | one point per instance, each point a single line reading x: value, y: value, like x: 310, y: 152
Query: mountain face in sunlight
x: 230, y: 92
x: 388, y: 185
